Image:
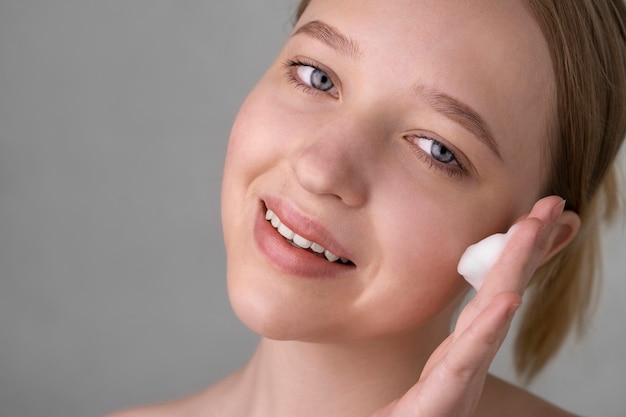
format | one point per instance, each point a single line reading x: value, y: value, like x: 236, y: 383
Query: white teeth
x: 330, y: 256
x: 301, y: 242
x: 285, y: 231
x: 298, y: 240
x: 275, y: 222
x: 317, y: 248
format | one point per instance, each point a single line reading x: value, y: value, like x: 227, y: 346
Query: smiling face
x: 390, y: 134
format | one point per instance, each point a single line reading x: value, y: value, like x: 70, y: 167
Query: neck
x: 287, y: 378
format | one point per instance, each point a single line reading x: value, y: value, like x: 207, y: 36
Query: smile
x: 301, y: 242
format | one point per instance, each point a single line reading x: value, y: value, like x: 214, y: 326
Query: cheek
x: 416, y: 253
x: 245, y: 158
x: 262, y: 134
x: 246, y: 146
x: 250, y: 153
x: 420, y: 239
x: 425, y: 252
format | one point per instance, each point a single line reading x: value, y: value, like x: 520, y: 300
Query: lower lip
x: 290, y: 259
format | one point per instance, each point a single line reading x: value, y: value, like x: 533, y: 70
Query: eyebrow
x: 444, y: 104
x: 330, y: 36
x: 460, y: 113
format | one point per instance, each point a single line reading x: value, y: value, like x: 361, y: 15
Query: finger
x: 461, y: 363
x: 525, y: 248
x: 463, y: 368
x: 519, y: 259
x: 475, y: 347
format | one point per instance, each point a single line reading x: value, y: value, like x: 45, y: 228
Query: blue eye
x: 437, y: 151
x: 437, y: 156
x: 314, y: 77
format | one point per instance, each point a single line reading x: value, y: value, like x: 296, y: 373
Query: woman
x: 385, y: 139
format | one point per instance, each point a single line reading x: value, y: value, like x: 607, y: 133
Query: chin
x: 262, y: 319
x: 260, y: 310
x: 279, y: 314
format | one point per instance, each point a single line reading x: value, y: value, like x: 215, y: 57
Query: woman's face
x: 392, y: 134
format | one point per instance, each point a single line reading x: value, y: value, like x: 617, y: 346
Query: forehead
x: 490, y: 54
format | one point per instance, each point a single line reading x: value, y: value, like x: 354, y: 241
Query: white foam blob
x: 480, y: 257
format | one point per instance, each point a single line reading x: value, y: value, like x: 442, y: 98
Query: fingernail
x: 556, y: 211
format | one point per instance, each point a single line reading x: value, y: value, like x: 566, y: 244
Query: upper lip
x: 305, y: 226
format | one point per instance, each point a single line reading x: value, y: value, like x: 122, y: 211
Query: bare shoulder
x: 178, y: 408
x: 212, y: 401
x: 502, y: 398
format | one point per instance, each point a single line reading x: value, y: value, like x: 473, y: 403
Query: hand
x: 452, y: 380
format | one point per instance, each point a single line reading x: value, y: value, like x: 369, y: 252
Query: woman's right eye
x: 314, y: 77
x: 310, y: 77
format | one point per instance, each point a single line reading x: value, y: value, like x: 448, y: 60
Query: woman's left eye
x: 437, y: 155
x: 314, y: 77
x: 437, y: 150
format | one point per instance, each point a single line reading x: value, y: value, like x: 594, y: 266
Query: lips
x: 289, y: 253
x: 300, y: 241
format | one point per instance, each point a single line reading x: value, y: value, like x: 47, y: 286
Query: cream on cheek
x: 479, y: 258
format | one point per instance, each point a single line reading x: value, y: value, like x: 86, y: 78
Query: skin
x: 354, y: 162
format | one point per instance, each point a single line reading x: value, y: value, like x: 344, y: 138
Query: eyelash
x: 453, y: 171
x: 292, y: 64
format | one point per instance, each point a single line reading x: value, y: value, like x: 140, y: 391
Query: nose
x: 335, y: 164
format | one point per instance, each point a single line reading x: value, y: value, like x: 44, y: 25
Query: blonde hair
x: 587, y: 42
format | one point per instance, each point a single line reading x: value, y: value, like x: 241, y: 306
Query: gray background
x: 114, y: 117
